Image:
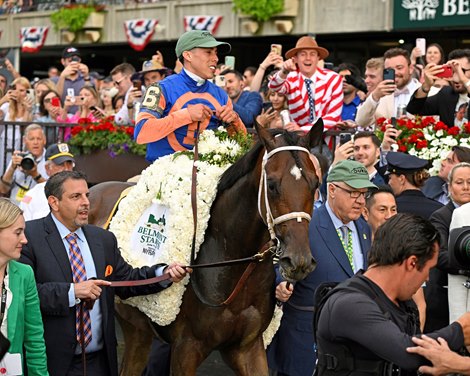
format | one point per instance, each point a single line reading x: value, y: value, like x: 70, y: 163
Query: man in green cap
x: 173, y: 108
x: 339, y: 241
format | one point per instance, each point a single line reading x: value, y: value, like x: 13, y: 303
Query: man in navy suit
x: 48, y: 253
x: 339, y: 241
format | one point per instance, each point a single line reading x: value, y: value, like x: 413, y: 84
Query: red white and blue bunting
x: 139, y: 32
x: 33, y: 38
x: 209, y: 23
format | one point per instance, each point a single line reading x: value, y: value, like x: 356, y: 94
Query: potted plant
x: 74, y: 17
x: 259, y: 10
x: 106, y: 151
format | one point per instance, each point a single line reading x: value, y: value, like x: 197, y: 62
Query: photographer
x: 25, y: 170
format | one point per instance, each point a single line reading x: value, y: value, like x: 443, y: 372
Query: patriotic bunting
x: 33, y: 38
x: 139, y: 32
x: 209, y: 23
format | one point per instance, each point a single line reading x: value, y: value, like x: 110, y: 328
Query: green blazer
x: 25, y: 320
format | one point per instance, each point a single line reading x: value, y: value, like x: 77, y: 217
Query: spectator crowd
x: 365, y: 183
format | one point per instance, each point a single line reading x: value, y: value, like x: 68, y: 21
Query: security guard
x: 407, y: 174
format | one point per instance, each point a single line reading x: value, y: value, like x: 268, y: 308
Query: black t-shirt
x: 356, y: 320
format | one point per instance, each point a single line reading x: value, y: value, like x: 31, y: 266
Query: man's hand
x: 457, y: 68
x: 177, y: 271
x: 83, y: 68
x: 134, y: 94
x: 199, y: 112
x: 226, y: 114
x: 390, y: 137
x: 384, y: 88
x: 343, y: 152
x: 71, y: 69
x: 444, y: 360
x: 89, y: 290
x: 284, y: 291
x: 288, y: 66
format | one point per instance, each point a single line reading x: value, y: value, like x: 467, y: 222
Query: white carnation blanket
x: 167, y: 182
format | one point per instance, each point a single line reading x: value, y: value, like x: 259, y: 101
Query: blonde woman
x: 21, y: 322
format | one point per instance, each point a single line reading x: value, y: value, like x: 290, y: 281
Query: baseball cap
x: 197, y: 38
x: 59, y: 153
x: 352, y: 173
x: 69, y: 52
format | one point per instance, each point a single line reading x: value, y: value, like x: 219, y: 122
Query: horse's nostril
x: 286, y: 263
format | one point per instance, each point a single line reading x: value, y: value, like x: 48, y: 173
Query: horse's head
x: 286, y: 195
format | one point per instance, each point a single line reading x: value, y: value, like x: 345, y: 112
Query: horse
x: 263, y: 202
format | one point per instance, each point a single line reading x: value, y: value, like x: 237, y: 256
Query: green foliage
x: 260, y: 10
x: 71, y: 18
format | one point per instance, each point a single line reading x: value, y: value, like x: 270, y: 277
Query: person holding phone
x: 392, y: 93
x: 50, y: 107
x: 88, y: 102
x: 447, y: 102
x: 74, y: 76
x: 270, y: 117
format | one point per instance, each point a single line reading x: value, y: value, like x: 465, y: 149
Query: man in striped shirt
x: 312, y: 92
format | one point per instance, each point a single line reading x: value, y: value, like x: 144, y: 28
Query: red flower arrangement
x: 88, y: 137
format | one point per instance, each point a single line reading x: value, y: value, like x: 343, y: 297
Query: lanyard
x: 4, y: 300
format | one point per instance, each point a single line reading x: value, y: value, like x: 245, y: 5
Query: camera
x: 28, y: 162
x: 459, y: 249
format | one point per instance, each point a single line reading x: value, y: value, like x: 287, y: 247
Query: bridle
x: 269, y: 220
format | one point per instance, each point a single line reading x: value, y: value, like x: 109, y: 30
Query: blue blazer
x: 292, y: 350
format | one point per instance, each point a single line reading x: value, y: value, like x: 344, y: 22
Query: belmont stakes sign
x: 413, y: 14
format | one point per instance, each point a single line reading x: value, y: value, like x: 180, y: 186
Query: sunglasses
x: 117, y: 83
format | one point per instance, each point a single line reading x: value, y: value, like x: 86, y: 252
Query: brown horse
x: 271, y: 186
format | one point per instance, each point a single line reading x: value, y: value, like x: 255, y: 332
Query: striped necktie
x: 311, y: 99
x: 79, y: 275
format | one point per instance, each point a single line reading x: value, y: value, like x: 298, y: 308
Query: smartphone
x: 230, y: 62
x: 75, y: 58
x: 12, y: 87
x: 276, y: 48
x: 344, y: 137
x: 93, y: 108
x: 267, y: 106
x: 219, y: 80
x: 71, y: 92
x: 389, y: 74
x: 421, y: 44
x: 30, y: 95
x: 447, y: 73
x: 137, y: 84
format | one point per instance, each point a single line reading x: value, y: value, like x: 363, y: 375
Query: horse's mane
x: 247, y: 163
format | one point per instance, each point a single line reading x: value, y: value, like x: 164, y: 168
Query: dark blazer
x: 433, y: 188
x: 292, y: 349
x: 442, y: 104
x: 46, y: 254
x: 415, y: 202
x: 437, y: 306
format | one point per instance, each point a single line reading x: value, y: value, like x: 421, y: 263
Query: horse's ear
x: 265, y: 137
x: 315, y: 136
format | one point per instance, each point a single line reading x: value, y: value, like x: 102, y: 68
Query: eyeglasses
x: 117, y: 83
x: 49, y: 100
x: 353, y: 194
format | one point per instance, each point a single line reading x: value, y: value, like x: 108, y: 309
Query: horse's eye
x: 272, y: 186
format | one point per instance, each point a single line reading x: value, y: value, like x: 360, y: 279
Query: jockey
x: 171, y: 109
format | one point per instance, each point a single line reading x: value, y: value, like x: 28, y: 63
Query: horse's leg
x: 247, y: 360
x: 137, y: 338
x: 186, y: 356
